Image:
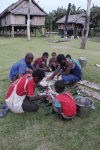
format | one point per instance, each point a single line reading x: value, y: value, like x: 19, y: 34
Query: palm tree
x: 98, y: 11
x: 74, y: 11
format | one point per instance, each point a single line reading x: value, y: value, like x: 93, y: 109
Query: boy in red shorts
x: 53, y: 62
x: 64, y: 103
x: 20, y: 95
x: 41, y: 62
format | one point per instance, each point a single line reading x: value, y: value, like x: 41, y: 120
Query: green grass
x: 33, y: 131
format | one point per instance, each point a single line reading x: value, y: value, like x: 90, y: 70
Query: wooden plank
x: 56, y: 41
x: 89, y: 84
x: 90, y: 93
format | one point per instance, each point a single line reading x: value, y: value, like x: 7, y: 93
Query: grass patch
x: 33, y: 130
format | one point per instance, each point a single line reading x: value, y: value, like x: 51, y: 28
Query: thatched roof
x: 21, y: 8
x: 73, y: 19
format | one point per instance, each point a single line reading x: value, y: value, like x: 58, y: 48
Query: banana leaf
x: 52, y: 110
x: 48, y: 108
x: 45, y: 104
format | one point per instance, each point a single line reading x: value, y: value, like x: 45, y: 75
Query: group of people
x: 20, y: 96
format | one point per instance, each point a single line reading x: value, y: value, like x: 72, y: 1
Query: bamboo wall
x: 6, y: 21
x: 62, y: 26
x: 17, y: 19
x: 11, y: 19
x: 70, y: 25
x: 38, y: 20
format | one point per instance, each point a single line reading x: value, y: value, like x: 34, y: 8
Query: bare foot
x: 74, y: 85
x: 57, y: 116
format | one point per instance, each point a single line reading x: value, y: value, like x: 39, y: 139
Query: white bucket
x: 83, y: 61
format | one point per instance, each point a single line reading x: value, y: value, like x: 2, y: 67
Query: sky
x: 49, y: 5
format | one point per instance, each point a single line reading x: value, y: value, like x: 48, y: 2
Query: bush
x: 98, y: 34
x: 92, y: 33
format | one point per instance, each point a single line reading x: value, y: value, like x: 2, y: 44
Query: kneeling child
x: 64, y: 103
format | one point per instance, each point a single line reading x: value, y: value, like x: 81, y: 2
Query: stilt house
x: 13, y: 20
x: 75, y: 23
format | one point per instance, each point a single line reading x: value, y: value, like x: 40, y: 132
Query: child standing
x: 53, y: 62
x: 41, y: 62
x: 64, y: 103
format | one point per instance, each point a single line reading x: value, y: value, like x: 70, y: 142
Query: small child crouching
x: 41, y: 62
x: 64, y: 103
x: 53, y: 62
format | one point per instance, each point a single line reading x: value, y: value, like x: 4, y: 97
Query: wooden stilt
x: 41, y: 31
x: 2, y: 32
x: 35, y: 32
x: 12, y: 32
x: 6, y: 31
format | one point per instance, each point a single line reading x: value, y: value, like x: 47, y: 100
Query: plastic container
x: 83, y: 61
x: 84, y: 105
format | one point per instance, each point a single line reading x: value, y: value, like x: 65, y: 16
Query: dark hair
x: 60, y: 85
x: 53, y: 53
x: 68, y: 56
x: 28, y: 55
x: 38, y: 73
x: 45, y: 54
x: 61, y: 57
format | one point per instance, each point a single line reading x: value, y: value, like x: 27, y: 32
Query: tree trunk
x: 66, y: 20
x: 86, y: 27
x: 51, y: 25
x: 28, y: 22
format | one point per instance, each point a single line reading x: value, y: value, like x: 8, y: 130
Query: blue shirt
x: 19, y: 67
x: 77, y: 62
x: 76, y: 71
x: 57, y: 104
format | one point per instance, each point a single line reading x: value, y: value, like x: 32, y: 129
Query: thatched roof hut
x: 20, y: 8
x: 16, y: 15
x: 75, y: 23
x: 78, y: 18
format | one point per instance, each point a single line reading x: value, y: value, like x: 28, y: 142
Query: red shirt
x: 52, y: 61
x: 29, y: 90
x: 38, y: 61
x: 68, y: 104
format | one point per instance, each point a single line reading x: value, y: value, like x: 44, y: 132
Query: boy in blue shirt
x: 21, y: 67
x: 74, y: 60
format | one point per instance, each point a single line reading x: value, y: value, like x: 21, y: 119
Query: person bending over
x: 64, y: 102
x: 71, y: 72
x: 22, y: 67
x: 41, y: 62
x: 20, y: 95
